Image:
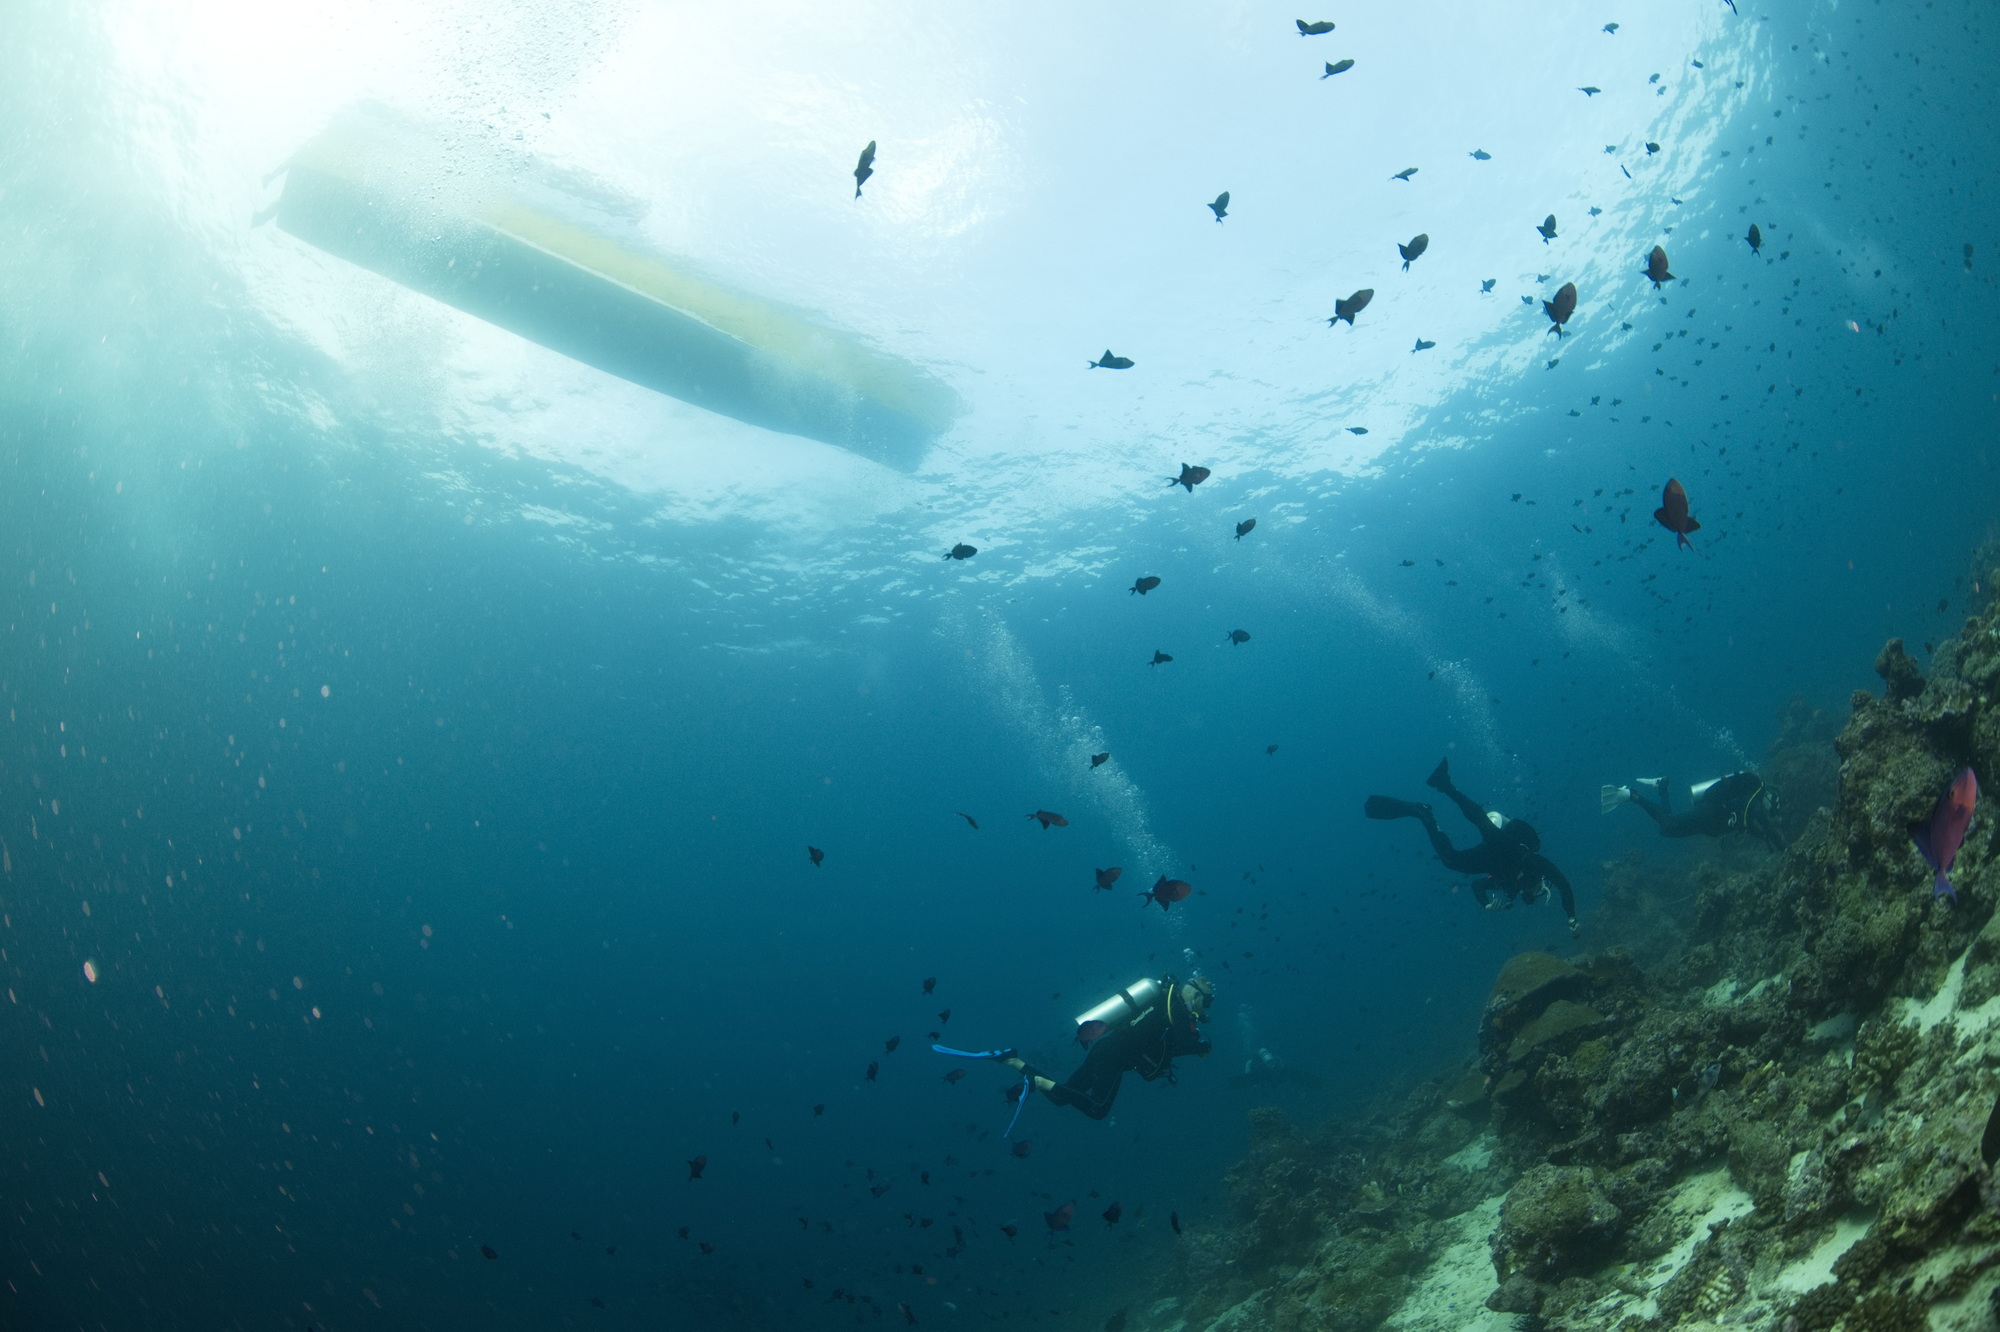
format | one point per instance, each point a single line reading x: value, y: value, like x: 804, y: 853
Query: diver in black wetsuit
x: 1508, y: 853
x: 1737, y: 803
x: 1145, y: 1027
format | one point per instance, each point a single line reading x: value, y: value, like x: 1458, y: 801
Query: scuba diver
x: 1508, y: 854
x: 1737, y: 803
x: 1140, y: 1029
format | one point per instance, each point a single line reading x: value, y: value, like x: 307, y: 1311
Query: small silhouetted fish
x: 1628, y: 174
x: 1409, y: 564
x: 1174, y: 1220
x: 944, y: 1017
x: 864, y: 168
x: 1159, y: 658
x: 1548, y: 228
x: 1756, y: 239
x: 1245, y: 528
x: 969, y: 819
x: 1090, y: 1031
x: 1696, y: 63
x: 1486, y: 285
x: 1611, y: 27
x: 873, y: 1069
x: 1239, y: 637
x: 1048, y: 818
x: 818, y: 1110
x: 1145, y: 584
x: 954, y: 1075
x: 1167, y: 892
x: 1334, y: 67
x: 1319, y: 29
x: 816, y: 854
x: 1099, y: 760
x: 696, y: 1166
x: 1352, y: 306
x: 1111, y: 362
x: 596, y: 1303
x: 1595, y: 210
x: 889, y: 1046
x: 909, y: 1314
x: 1221, y: 206
x: 1112, y: 1213
x: 1357, y: 430
x: 930, y: 982
x: 1422, y: 345
x: 1590, y: 92
x: 1656, y: 267
x: 683, y: 1232
x: 877, y: 1190
x: 735, y: 1118
x: 1404, y: 174
x: 961, y: 552
x: 1061, y: 1217
x: 1652, y: 148
x: 1010, y: 1231
x: 1418, y: 244
x: 487, y: 1251
x: 1270, y: 749
x: 1023, y: 1147
x: 1561, y: 308
x: 1107, y: 877
x: 1939, y: 837
x: 1189, y: 478
x: 1480, y: 155
x: 706, y: 1247
x: 1673, y: 512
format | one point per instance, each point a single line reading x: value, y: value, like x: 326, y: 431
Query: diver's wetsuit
x: 1147, y: 1047
x: 1736, y: 803
x: 1509, y: 857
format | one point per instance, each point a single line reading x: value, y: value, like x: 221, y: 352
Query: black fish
x: 1189, y: 478
x: 486, y: 1250
x: 864, y: 168
x: 961, y: 552
x: 954, y: 1075
x: 1107, y: 877
x: 975, y: 827
x: 1548, y: 228
x: 930, y: 982
x: 1480, y: 155
x: 1099, y: 760
x: 1143, y: 586
x: 1357, y: 430
x: 1756, y: 239
x: 889, y: 1046
x: 1656, y: 267
x: 1239, y: 637
x: 1404, y: 175
x: 1048, y: 818
x: 735, y: 1118
x: 1652, y: 148
x: 1418, y: 244
x: 696, y: 1166
x: 1111, y: 362
x: 944, y: 1017
x: 816, y: 854
x: 1590, y: 92
x: 1561, y: 308
x: 1112, y: 1213
x: 706, y: 1247
x: 1174, y: 1220
x: 1351, y: 307
x: 1421, y: 346
x: 1486, y: 285
x: 596, y: 1303
x: 1319, y: 29
x: 1334, y: 67
x: 1245, y: 528
x: 1159, y: 658
x: 1270, y: 749
x: 818, y: 1110
x: 873, y: 1069
x: 1611, y: 27
x: 1221, y: 206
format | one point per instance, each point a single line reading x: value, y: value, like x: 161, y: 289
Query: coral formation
x: 1780, y: 1110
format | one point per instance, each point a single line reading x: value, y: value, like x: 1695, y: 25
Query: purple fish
x: 1938, y: 837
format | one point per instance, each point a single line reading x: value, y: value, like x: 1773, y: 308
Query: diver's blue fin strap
x: 971, y: 1054
x: 1027, y: 1090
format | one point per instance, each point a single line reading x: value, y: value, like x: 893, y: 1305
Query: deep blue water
x: 421, y: 737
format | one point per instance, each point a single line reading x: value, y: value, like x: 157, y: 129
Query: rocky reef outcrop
x: 1781, y: 1111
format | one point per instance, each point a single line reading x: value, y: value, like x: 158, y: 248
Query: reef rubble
x: 1787, y: 1117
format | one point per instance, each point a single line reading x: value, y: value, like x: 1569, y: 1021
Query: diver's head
x: 1198, y: 994
x: 1522, y: 833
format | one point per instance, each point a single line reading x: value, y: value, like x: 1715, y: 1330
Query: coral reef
x: 1782, y: 1110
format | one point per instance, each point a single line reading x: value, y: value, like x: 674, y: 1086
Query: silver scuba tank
x: 1127, y: 1006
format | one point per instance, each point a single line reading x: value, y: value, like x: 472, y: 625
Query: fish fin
x: 1693, y: 526
x: 1922, y: 837
x: 1611, y: 797
x: 1941, y: 887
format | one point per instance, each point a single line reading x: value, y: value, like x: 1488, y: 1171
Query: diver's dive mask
x: 1199, y: 997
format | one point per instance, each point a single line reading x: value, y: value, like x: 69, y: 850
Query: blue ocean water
x: 415, y: 737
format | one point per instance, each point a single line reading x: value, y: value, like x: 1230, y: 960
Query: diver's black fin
x: 1440, y: 778
x: 1388, y: 807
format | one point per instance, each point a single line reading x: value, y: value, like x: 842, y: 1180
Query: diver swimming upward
x: 1507, y: 855
x: 1737, y: 803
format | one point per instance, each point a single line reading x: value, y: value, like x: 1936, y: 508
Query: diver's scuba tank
x: 1129, y: 1005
